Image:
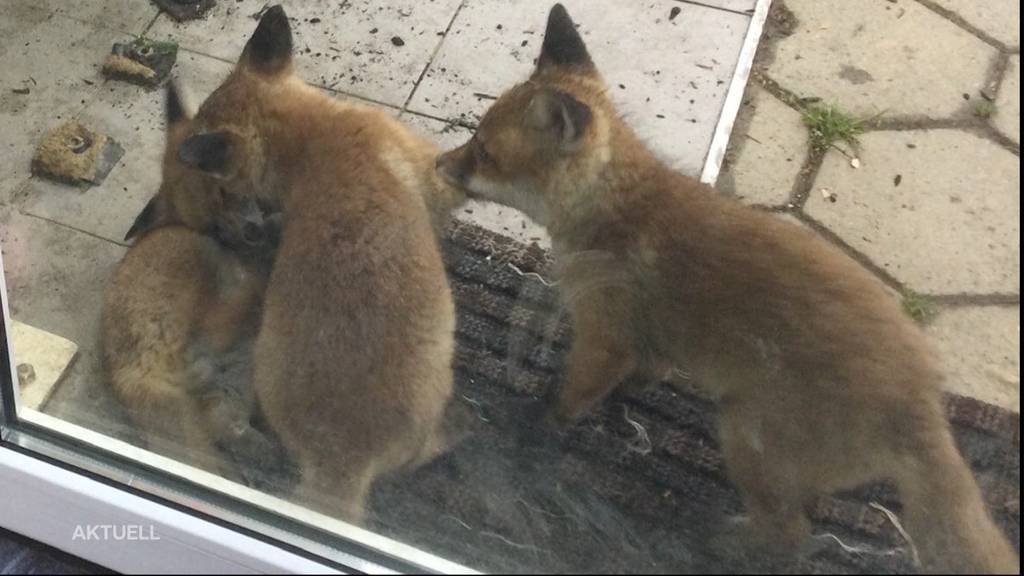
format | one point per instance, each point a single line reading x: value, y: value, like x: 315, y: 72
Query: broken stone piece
x: 141, y: 61
x: 182, y: 10
x: 73, y: 154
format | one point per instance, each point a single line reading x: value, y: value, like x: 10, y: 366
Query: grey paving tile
x: 133, y: 117
x: 669, y: 78
x: 344, y: 45
x: 57, y: 61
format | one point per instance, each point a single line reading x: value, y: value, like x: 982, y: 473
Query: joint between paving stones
x: 995, y: 300
x: 959, y: 21
x: 430, y: 61
x: 850, y: 251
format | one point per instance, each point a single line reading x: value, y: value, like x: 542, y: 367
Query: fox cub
x: 353, y: 359
x: 822, y: 381
x: 178, y: 321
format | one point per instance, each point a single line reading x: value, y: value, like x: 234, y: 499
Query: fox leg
x: 603, y: 351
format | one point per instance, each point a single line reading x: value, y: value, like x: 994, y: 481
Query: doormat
x: 637, y: 487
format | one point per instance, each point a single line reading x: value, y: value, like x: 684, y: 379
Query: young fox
x: 353, y: 359
x: 177, y: 326
x: 822, y: 381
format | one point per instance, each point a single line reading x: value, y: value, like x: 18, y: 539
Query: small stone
x: 855, y: 162
x: 674, y: 12
x: 26, y: 375
x: 397, y: 41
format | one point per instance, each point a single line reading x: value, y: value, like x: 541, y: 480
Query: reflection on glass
x: 296, y: 311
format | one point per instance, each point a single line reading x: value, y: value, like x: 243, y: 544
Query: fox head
x: 214, y: 171
x: 542, y: 141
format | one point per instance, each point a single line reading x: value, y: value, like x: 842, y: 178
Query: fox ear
x: 563, y: 47
x: 557, y: 113
x: 269, y: 50
x: 215, y: 153
x: 151, y: 217
x: 175, y: 111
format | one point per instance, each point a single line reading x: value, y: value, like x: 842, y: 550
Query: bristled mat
x: 639, y: 486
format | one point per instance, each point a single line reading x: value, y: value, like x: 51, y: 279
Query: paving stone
x: 55, y: 275
x: 494, y: 217
x: 134, y: 118
x: 55, y: 279
x: 347, y: 46
x: 131, y: 16
x: 979, y: 348
x: 952, y: 225
x: 769, y: 149
x: 57, y: 61
x: 999, y: 19
x: 1007, y: 117
x: 896, y: 58
x: 669, y: 78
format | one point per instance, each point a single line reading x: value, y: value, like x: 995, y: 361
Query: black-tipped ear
x: 146, y: 220
x: 558, y: 113
x: 269, y: 50
x: 209, y: 152
x: 173, y: 109
x: 563, y: 45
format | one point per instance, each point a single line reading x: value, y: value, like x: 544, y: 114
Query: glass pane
x: 379, y: 285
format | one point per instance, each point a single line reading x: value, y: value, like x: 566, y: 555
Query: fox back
x: 822, y: 380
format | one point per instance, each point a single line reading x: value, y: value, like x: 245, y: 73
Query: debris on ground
x: 674, y: 12
x: 141, y: 61
x: 182, y: 10
x: 73, y: 154
x: 397, y: 41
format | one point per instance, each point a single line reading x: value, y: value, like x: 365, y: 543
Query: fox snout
x: 453, y: 168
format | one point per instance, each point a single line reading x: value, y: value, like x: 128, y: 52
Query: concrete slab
x: 55, y: 275
x: 979, y: 348
x: 57, y: 61
x: 133, y: 117
x: 489, y: 215
x: 41, y: 359
x: 769, y: 148
x: 1007, y: 116
x: 130, y: 16
x: 922, y: 207
x: 669, y: 78
x: 999, y: 19
x: 348, y: 46
x: 881, y: 57
x: 55, y: 279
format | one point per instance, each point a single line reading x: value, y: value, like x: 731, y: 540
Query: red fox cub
x: 177, y: 326
x: 822, y: 381
x: 352, y: 364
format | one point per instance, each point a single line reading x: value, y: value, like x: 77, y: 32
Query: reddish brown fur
x: 822, y: 380
x: 353, y: 358
x: 178, y: 300
x: 176, y: 331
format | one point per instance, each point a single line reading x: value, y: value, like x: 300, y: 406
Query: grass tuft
x: 919, y: 307
x: 828, y: 125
